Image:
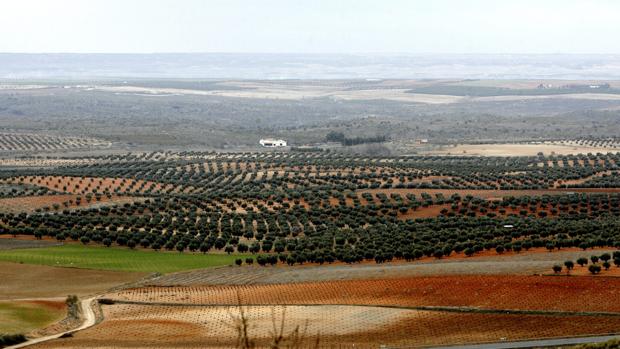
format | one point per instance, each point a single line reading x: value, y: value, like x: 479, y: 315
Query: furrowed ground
x: 331, y: 326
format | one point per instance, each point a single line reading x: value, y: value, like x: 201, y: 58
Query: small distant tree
x: 131, y: 244
x: 550, y: 246
x: 594, y: 259
x: 606, y: 265
x: 238, y: 261
x: 438, y: 253
x: 594, y: 269
x: 569, y: 265
x: 557, y: 268
x: 582, y: 261
x: 73, y: 306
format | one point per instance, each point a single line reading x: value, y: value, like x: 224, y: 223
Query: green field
x: 23, y: 317
x: 119, y: 259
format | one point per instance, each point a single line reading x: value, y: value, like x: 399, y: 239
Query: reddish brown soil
x: 31, y: 203
x: 435, y: 211
x: 56, y: 305
x: 561, y: 293
x: 77, y: 185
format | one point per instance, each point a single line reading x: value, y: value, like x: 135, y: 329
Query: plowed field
x: 138, y: 326
x: 557, y: 293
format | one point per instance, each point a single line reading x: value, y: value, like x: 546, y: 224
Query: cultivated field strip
x: 577, y: 294
x: 39, y: 142
x: 336, y: 326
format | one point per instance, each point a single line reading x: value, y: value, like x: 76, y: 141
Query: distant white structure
x: 272, y: 143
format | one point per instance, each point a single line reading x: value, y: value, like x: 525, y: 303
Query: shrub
x: 11, y: 339
x: 594, y: 269
x: 582, y: 261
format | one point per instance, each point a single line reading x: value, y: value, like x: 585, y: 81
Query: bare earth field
x: 336, y: 326
x: 545, y: 293
x: 21, y: 281
x: 32, y: 203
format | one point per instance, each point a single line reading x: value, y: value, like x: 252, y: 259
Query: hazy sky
x: 325, y: 26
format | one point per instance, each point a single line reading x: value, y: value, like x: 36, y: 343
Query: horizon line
x: 318, y: 53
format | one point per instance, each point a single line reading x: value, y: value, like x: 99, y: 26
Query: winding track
x: 89, y: 320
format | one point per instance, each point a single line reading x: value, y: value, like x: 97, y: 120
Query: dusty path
x: 89, y: 320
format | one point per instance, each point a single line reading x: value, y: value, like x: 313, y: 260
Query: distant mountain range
x: 308, y: 66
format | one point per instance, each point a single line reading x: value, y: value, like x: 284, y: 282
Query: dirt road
x: 89, y: 320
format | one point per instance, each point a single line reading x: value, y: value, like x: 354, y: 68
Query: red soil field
x: 57, y: 305
x: 78, y: 185
x: 558, y: 293
x: 31, y: 203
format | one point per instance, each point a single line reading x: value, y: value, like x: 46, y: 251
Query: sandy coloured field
x: 287, y: 92
x: 138, y: 326
x: 272, y: 90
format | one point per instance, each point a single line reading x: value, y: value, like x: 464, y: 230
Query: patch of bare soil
x: 139, y: 326
x: 561, y: 293
x: 37, y: 281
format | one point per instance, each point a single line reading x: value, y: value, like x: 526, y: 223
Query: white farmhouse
x: 272, y: 143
